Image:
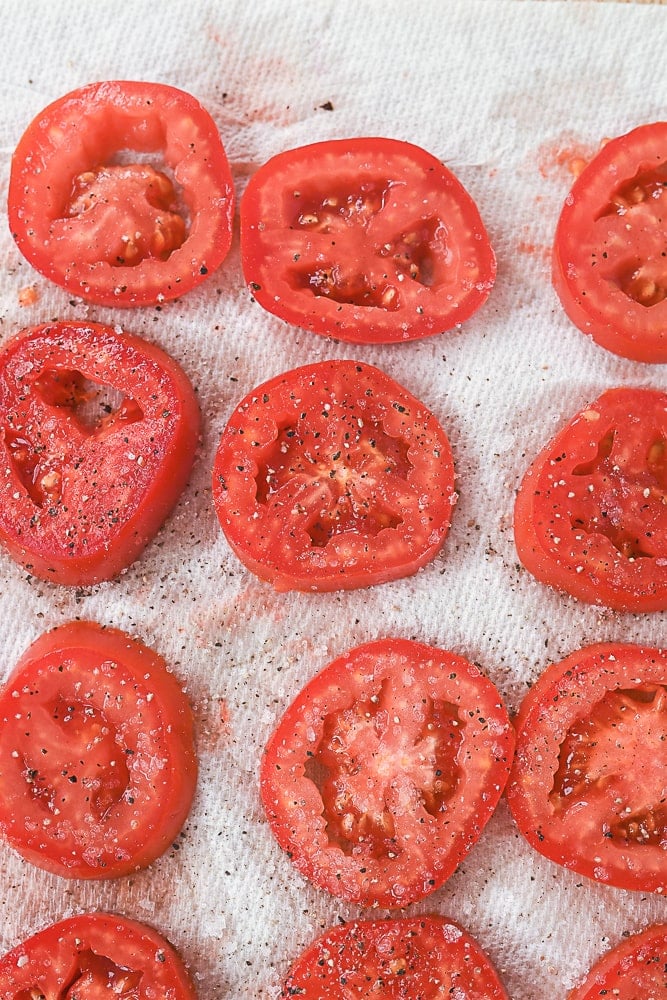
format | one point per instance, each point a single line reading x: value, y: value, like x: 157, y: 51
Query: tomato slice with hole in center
x: 591, y: 513
x: 121, y: 193
x: 610, y: 249
x: 98, y: 433
x: 97, y: 762
x: 333, y: 476
x: 588, y: 787
x: 91, y: 957
x: 636, y: 969
x: 382, y: 774
x: 365, y: 240
x: 422, y: 958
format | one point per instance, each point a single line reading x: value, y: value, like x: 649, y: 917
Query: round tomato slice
x: 591, y: 513
x: 589, y: 783
x: 92, y: 956
x: 333, y: 476
x: 385, y: 769
x: 636, y: 969
x: 365, y: 240
x: 609, y: 253
x: 423, y: 958
x: 98, y: 432
x: 97, y: 763
x: 121, y: 193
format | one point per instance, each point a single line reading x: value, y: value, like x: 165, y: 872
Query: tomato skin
x: 588, y: 777
x: 332, y: 477
x: 609, y: 248
x: 422, y: 958
x: 79, y: 501
x: 589, y: 517
x: 329, y: 783
x: 95, y: 953
x: 81, y: 231
x: 97, y: 761
x: 366, y: 240
x: 634, y: 968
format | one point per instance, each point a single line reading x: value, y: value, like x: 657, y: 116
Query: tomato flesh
x: 364, y: 240
x: 636, y: 969
x: 589, y: 782
x: 590, y: 515
x: 97, y: 763
x: 422, y: 958
x: 383, y: 772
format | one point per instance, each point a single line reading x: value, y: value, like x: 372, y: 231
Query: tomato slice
x: 591, y: 515
x: 589, y: 782
x: 97, y: 763
x: 382, y: 774
x: 423, y: 958
x: 636, y: 969
x: 333, y: 476
x: 121, y: 193
x: 98, y: 432
x: 609, y: 252
x: 365, y: 240
x: 91, y: 957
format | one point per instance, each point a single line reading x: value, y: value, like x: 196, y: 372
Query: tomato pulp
x: 97, y: 762
x: 382, y: 774
x: 98, y: 433
x: 121, y: 193
x: 365, y: 240
x: 635, y: 968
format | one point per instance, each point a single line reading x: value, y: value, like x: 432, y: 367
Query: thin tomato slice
x: 98, y: 433
x: 423, y: 958
x: 590, y: 517
x: 365, y: 240
x: 589, y: 783
x: 332, y: 476
x: 609, y: 266
x: 97, y: 762
x: 636, y: 969
x: 382, y: 774
x: 92, y: 956
x: 121, y: 192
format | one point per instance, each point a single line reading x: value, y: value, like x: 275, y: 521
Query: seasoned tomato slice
x: 332, y: 477
x: 121, y: 192
x: 591, y: 513
x: 98, y: 432
x: 364, y: 240
x: 636, y: 969
x: 93, y: 956
x: 97, y: 763
x: 385, y: 769
x: 610, y: 250
x: 589, y: 784
x: 423, y: 958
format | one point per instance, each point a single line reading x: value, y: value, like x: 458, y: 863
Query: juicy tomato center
x: 603, y: 756
x: 380, y: 759
x: 349, y: 473
x: 96, y: 977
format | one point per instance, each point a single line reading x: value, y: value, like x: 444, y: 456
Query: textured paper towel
x: 501, y: 91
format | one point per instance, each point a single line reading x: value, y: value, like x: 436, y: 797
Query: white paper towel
x: 506, y: 93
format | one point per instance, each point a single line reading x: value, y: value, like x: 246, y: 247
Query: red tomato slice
x: 97, y: 763
x: 93, y: 956
x: 636, y: 969
x: 365, y: 240
x: 121, y: 192
x: 333, y: 476
x: 589, y: 783
x: 424, y: 958
x: 98, y: 432
x: 384, y: 771
x: 591, y: 514
x: 609, y: 253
